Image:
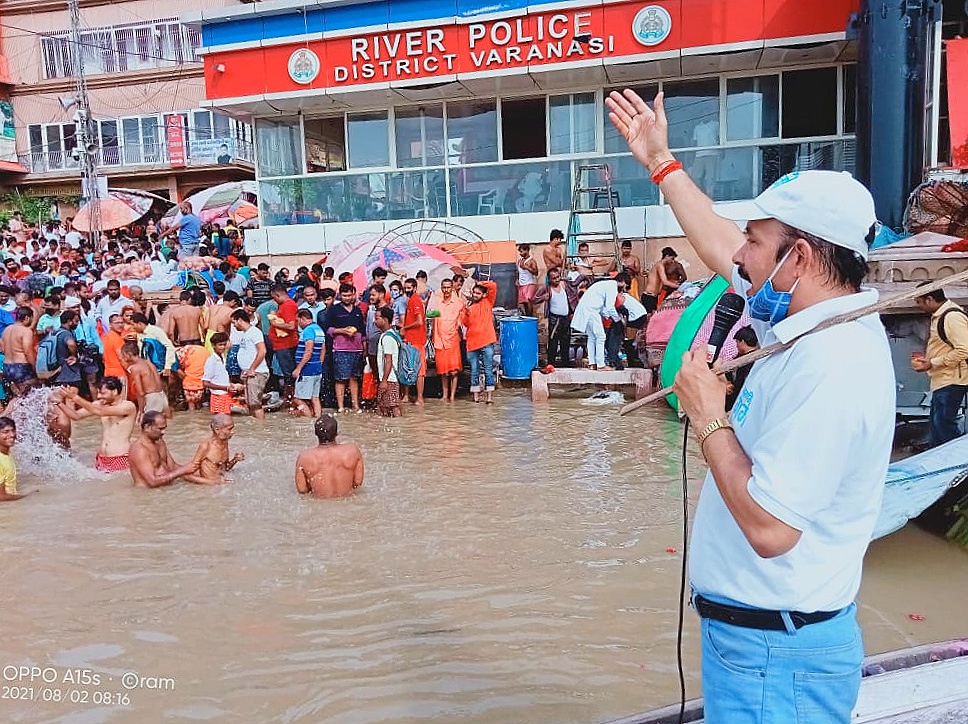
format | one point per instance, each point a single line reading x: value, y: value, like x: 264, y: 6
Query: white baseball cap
x: 831, y: 205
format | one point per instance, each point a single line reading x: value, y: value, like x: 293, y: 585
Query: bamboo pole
x: 759, y: 354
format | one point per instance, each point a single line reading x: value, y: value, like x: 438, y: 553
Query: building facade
x: 145, y: 85
x: 371, y: 114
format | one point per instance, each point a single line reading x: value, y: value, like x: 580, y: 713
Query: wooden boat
x: 917, y: 685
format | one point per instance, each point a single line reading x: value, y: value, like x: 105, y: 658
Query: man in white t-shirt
x: 216, y: 379
x: 252, y: 360
x: 796, y: 471
x: 387, y: 355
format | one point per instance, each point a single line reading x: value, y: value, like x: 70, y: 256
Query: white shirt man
x: 107, y: 308
x: 785, y: 395
x: 247, y: 342
x: 797, y: 468
x: 597, y: 302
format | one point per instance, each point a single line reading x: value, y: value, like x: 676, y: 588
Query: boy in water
x: 212, y: 455
x: 145, y: 381
x: 8, y: 471
x: 331, y: 469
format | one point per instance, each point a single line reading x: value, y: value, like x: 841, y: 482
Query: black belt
x: 756, y: 617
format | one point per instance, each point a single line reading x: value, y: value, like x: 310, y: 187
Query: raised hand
x: 646, y: 131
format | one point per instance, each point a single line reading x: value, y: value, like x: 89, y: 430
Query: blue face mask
x: 769, y: 305
x: 394, y: 294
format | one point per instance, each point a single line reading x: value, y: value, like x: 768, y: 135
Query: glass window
x: 369, y: 139
x: 325, y: 144
x: 54, y: 150
x: 132, y: 140
x: 692, y: 108
x: 631, y: 185
x: 203, y: 125
x: 150, y: 147
x: 752, y: 108
x: 850, y: 98
x: 471, y: 132
x: 614, y: 143
x: 36, y: 138
x: 572, y: 121
x: 511, y: 188
x: 222, y: 126
x: 523, y: 128
x: 419, y: 134
x: 809, y: 103
x: 278, y: 146
x: 417, y: 194
x: 110, y: 151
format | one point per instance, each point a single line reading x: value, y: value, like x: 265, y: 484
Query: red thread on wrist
x: 664, y: 170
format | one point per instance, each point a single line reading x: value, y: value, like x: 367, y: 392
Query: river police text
x: 502, y: 43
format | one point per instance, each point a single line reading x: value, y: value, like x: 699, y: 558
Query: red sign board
x: 540, y: 40
x: 176, y: 140
x: 957, y: 51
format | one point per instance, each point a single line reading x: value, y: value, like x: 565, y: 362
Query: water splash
x: 36, y: 453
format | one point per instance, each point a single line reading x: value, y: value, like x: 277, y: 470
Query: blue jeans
x: 809, y: 676
x: 945, y: 403
x: 475, y: 357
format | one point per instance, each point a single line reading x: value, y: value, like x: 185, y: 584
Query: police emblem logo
x: 303, y: 66
x: 652, y: 25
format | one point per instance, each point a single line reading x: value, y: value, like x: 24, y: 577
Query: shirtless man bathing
x: 331, y: 469
x: 151, y: 464
x: 212, y: 455
x: 145, y: 381
x: 118, y: 417
x: 19, y: 352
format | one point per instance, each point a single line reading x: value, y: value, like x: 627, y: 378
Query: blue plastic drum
x: 519, y: 347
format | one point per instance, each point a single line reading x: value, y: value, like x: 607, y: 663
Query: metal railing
x: 123, y: 48
x: 114, y: 157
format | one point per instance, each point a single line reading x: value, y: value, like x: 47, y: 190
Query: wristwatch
x: 720, y: 423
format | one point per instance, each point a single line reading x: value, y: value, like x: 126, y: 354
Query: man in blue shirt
x: 188, y: 227
x: 309, y: 366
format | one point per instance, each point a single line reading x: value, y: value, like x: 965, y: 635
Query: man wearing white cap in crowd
x: 797, y: 470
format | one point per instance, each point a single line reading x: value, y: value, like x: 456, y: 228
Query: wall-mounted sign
x: 303, y: 66
x: 211, y: 150
x: 652, y: 25
x: 175, y: 135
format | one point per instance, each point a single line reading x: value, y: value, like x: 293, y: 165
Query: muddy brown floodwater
x: 506, y: 563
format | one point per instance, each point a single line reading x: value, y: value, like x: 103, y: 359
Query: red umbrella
x: 122, y: 207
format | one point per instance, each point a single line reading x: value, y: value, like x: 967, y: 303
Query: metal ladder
x: 586, y: 201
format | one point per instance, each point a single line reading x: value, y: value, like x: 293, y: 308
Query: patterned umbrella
x: 215, y: 205
x: 403, y: 260
x: 122, y: 207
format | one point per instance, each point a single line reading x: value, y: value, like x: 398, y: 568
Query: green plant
x: 33, y: 209
x: 958, y: 533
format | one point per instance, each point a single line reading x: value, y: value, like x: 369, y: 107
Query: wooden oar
x: 746, y: 359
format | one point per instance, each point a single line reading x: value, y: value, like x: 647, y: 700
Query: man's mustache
x: 742, y: 272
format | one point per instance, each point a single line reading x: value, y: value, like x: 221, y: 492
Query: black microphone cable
x: 682, y: 575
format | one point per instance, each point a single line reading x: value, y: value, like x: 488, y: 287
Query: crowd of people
x: 242, y: 340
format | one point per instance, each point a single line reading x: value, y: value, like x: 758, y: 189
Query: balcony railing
x: 113, y: 157
x: 122, y: 48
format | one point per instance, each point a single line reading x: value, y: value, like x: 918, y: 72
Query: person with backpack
x: 65, y: 350
x: 945, y: 360
x: 388, y: 358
